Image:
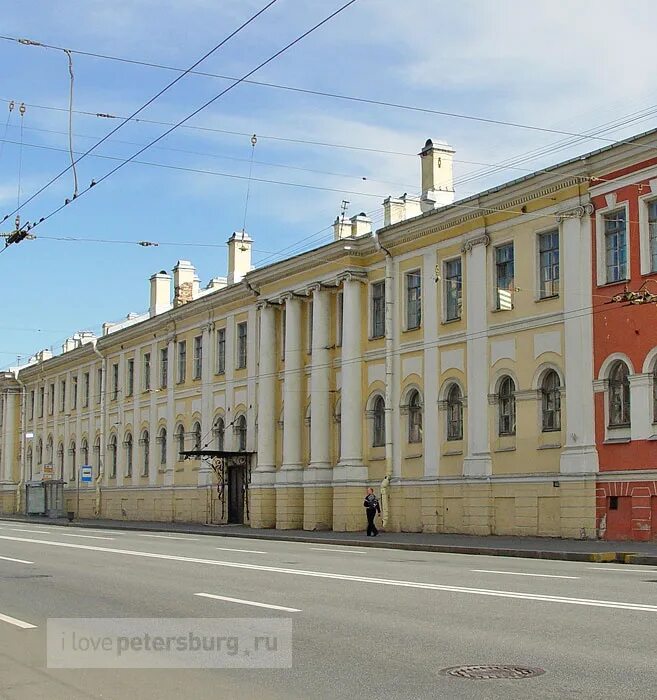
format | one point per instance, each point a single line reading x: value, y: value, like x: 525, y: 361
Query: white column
x: 67, y: 430
x: 478, y: 460
x: 152, y: 420
x: 431, y: 447
x: 10, y: 435
x: 172, y: 446
x: 251, y: 379
x: 229, y: 434
x: 351, y: 467
x: 641, y: 406
x: 579, y: 454
x: 266, y: 467
x: 292, y: 396
x: 205, y: 470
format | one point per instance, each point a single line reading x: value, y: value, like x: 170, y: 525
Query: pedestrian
x: 372, y: 507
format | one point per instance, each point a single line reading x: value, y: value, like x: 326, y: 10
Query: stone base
x: 317, y: 508
x: 348, y: 512
x: 263, y: 507
x: 289, y: 508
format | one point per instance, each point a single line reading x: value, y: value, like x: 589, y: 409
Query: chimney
x: 183, y: 282
x: 216, y: 283
x: 239, y: 256
x: 341, y: 228
x: 69, y: 344
x: 160, y: 293
x: 437, y: 180
x: 393, y: 211
x: 361, y: 225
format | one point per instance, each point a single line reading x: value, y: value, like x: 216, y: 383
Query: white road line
x: 16, y: 622
x: 22, y: 529
x: 518, y: 573
x: 614, y: 569
x: 20, y: 561
x: 248, y: 551
x: 642, y: 607
x: 168, y: 537
x: 335, y: 551
x: 247, y: 602
x: 87, y: 537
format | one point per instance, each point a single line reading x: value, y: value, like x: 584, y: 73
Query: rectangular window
x: 85, y: 389
x: 241, y: 345
x: 413, y: 300
x: 548, y: 264
x: 62, y: 395
x: 32, y: 404
x: 504, y: 277
x: 616, y: 246
x: 652, y: 234
x: 340, y: 312
x: 131, y: 378
x: 115, y: 381
x: 146, y: 381
x: 378, y: 309
x: 164, y: 367
x: 182, y: 361
x: 198, y: 357
x: 221, y: 351
x: 99, y: 384
x: 453, y: 289
x: 74, y: 392
x: 42, y: 400
x: 51, y: 399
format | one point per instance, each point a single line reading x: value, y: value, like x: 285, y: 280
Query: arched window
x: 162, y: 440
x: 129, y: 452
x: 39, y: 452
x: 414, y: 417
x: 619, y: 395
x: 30, y: 463
x: 112, y: 456
x: 97, y: 452
x: 378, y: 422
x: 218, y: 431
x: 551, y: 401
x: 72, y: 454
x: 196, y: 430
x: 49, y: 450
x: 454, y: 413
x: 180, y: 440
x: 145, y: 452
x: 84, y: 451
x: 240, y: 433
x: 506, y: 397
x: 60, y: 461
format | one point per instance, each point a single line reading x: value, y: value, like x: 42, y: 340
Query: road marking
x: 16, y: 622
x: 332, y: 549
x: 23, y: 529
x: 249, y: 551
x: 518, y: 573
x: 614, y: 569
x: 20, y: 561
x: 168, y: 537
x: 247, y: 602
x: 88, y: 537
x: 346, y: 577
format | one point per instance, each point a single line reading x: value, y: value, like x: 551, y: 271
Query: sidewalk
x: 493, y: 545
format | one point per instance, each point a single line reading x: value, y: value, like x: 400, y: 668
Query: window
x: 241, y: 345
x: 652, y: 234
x: 162, y: 440
x: 379, y: 422
x: 504, y: 277
x: 619, y: 396
x: 115, y: 381
x: 62, y: 395
x: 85, y: 389
x: 60, y: 461
x: 51, y: 399
x: 182, y: 361
x: 32, y: 404
x: 453, y: 289
x: 164, y: 368
x: 97, y: 452
x: 72, y: 454
x: 613, y: 502
x: 146, y: 382
x: 378, y: 309
x: 413, y: 300
x: 39, y: 452
x: 145, y: 442
x: 548, y: 264
x: 221, y: 351
x: 615, y: 246
x: 99, y: 384
x: 506, y: 397
x: 196, y: 433
x: 180, y: 440
x: 84, y: 452
x: 30, y: 463
x: 414, y: 417
x: 112, y: 456
x: 551, y: 402
x: 218, y: 431
x: 131, y: 377
x: 240, y: 433
x: 128, y: 454
x: 340, y: 313
x: 42, y: 397
x: 49, y: 450
x: 197, y: 367
x: 454, y: 413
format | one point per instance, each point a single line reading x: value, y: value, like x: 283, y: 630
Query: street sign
x: 86, y: 474
x: 47, y: 471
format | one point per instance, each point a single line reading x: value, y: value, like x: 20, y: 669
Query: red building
x: 624, y: 249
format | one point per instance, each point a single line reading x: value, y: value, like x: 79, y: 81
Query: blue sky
x: 573, y: 67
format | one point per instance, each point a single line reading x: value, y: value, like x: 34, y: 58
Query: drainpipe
x: 101, y: 461
x: 389, y: 310
x: 21, y: 480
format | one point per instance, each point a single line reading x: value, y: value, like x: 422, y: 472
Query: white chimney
x: 183, y: 282
x: 437, y: 176
x: 239, y: 256
x: 361, y: 225
x: 216, y: 283
x: 160, y: 293
x: 341, y: 228
x: 393, y: 211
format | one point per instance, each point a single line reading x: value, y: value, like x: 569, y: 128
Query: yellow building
x: 444, y: 360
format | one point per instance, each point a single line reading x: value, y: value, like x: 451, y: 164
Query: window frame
x: 377, y: 309
x: 550, y: 403
x: 504, y: 400
x: 553, y: 284
x: 242, y: 340
x: 447, y: 297
x: 619, y: 391
x: 415, y: 417
x: 497, y: 266
x: 146, y: 373
x: 181, y: 361
x: 413, y: 306
x: 605, y: 235
x: 221, y: 351
x: 197, y: 357
x: 378, y: 421
x: 164, y: 367
x: 454, y: 417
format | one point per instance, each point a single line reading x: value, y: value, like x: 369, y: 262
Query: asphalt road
x: 366, y: 623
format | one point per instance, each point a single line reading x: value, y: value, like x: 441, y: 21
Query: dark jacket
x: 371, y: 502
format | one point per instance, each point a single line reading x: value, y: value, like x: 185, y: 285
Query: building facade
x: 454, y: 360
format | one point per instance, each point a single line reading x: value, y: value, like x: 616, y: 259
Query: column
x: 205, y: 470
x: 172, y: 446
x: 318, y: 494
x: 153, y: 419
x: 263, y: 497
x: 478, y: 460
x: 289, y: 494
x: 579, y: 454
x: 10, y: 433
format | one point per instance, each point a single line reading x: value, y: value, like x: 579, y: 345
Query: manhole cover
x: 491, y: 672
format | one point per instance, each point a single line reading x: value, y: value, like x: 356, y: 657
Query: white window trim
x: 601, y: 261
x: 537, y: 262
x: 406, y: 273
x: 370, y: 308
x: 644, y: 234
x: 443, y: 293
x: 492, y: 248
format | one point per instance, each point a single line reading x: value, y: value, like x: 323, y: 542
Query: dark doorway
x: 235, y: 494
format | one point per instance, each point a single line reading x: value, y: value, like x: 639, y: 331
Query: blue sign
x: 86, y: 474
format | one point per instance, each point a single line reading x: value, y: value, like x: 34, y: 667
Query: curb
x: 610, y: 557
